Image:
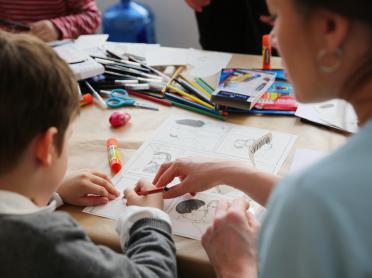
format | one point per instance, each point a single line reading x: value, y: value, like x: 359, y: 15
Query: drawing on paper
x: 190, y: 122
x: 157, y: 159
x: 247, y: 142
x: 191, y: 216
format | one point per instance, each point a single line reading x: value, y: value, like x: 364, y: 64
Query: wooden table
x: 87, y: 150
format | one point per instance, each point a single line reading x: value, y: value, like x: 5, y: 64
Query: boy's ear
x: 45, y: 146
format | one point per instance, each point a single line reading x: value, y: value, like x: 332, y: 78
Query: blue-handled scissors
x: 119, y: 98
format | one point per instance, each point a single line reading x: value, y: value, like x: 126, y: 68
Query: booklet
x: 242, y: 88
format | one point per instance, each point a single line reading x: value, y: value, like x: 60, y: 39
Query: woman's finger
x: 164, y: 167
x: 167, y: 176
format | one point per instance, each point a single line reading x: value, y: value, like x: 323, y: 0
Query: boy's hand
x: 87, y: 188
x: 45, y: 30
x: 152, y: 200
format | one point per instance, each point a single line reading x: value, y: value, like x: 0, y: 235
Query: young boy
x: 38, y: 101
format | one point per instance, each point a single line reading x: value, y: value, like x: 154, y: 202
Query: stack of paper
x: 335, y: 113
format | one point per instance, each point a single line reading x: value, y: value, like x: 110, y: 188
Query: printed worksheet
x: 185, y: 136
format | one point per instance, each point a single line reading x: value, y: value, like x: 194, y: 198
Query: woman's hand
x: 152, y: 200
x: 195, y: 175
x: 198, y: 5
x: 87, y: 188
x: 230, y: 241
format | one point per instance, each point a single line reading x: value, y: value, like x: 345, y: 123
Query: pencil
x: 174, y: 76
x: 150, y: 98
x: 190, y: 103
x: 204, y: 85
x: 201, y: 89
x: 152, y: 191
x: 180, y: 105
x: 185, y: 84
x: 193, y: 98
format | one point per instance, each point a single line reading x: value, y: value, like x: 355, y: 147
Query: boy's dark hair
x: 37, y: 91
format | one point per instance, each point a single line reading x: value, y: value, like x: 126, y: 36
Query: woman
x: 318, y: 222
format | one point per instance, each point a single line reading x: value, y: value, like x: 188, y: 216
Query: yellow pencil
x: 191, y: 97
x: 196, y: 85
x: 174, y: 76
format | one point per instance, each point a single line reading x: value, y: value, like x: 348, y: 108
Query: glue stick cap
x: 266, y: 40
x: 111, y: 141
x: 86, y: 99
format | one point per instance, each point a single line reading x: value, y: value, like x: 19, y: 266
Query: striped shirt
x: 71, y: 17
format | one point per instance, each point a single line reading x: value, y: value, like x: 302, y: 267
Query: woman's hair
x: 354, y: 10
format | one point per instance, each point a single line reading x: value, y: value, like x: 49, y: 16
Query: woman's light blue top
x: 319, y: 221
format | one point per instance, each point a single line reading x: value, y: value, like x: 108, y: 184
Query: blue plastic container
x: 129, y: 21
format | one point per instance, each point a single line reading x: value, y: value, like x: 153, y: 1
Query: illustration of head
x: 191, y: 122
x: 197, y: 210
x: 158, y: 158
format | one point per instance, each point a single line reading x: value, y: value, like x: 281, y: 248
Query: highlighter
x: 266, y: 52
x: 113, y: 155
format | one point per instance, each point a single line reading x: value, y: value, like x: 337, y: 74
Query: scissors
x: 119, y: 98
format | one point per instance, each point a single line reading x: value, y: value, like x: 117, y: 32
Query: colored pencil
x: 193, y: 90
x: 190, y: 103
x: 152, y: 191
x: 187, y: 95
x: 150, y: 98
x: 205, y: 85
x: 180, y: 105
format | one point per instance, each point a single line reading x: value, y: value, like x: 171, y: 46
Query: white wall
x: 175, y: 22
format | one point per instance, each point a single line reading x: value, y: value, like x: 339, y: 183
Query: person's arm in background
x: 198, y: 5
x: 83, y: 18
x: 200, y: 174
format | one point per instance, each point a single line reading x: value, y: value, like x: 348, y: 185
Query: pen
x: 96, y: 95
x: 153, y: 191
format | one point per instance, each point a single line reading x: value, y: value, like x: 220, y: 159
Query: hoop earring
x: 337, y: 58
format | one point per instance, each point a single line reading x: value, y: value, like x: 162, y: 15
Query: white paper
x: 166, y: 56
x: 89, y: 42
x: 182, y: 136
x: 137, y: 49
x: 334, y: 113
x: 206, y: 63
x: 304, y: 158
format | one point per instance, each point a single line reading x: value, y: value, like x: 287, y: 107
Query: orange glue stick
x: 266, y: 52
x: 113, y: 155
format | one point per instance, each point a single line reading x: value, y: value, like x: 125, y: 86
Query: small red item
x: 118, y: 119
x: 266, y: 52
x: 86, y: 99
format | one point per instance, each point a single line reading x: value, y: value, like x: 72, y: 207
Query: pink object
x: 118, y: 119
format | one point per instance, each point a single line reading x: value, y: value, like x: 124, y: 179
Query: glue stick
x: 113, y: 155
x: 266, y: 52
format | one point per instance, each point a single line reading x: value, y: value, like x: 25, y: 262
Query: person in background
x: 317, y: 222
x: 36, y: 240
x: 231, y: 26
x: 53, y: 19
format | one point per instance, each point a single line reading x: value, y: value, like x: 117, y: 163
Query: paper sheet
x: 181, y: 136
x: 334, y: 113
x: 304, y: 158
x: 206, y: 63
x: 166, y: 56
x: 138, y: 49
